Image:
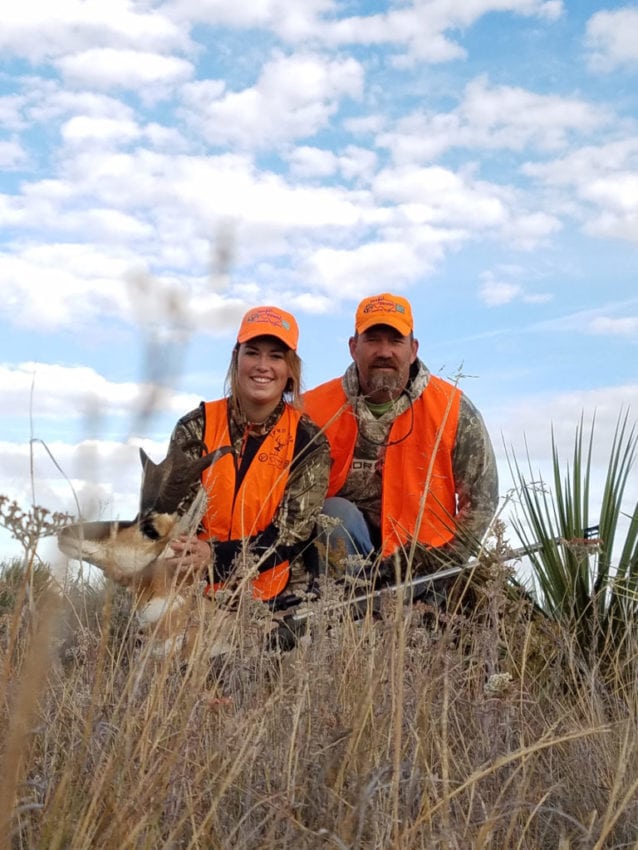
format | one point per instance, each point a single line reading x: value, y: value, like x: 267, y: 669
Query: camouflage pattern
x: 474, y: 466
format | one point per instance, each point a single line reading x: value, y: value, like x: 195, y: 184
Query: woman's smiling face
x: 262, y: 375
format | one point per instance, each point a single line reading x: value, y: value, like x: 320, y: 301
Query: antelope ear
x: 165, y: 484
x: 145, y: 459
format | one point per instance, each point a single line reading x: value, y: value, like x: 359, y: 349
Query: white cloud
x: 422, y: 28
x: 103, y: 476
x: 101, y: 131
x: 165, y: 139
x: 410, y: 26
x: 68, y: 393
x: 348, y: 273
x: 526, y: 230
x: 604, y: 179
x: 201, y: 189
x: 66, y: 272
x: 37, y: 31
x: 438, y: 195
x: 88, y: 284
x: 496, y: 290
x: 293, y: 98
x: 50, y: 102
x: 199, y: 94
x: 492, y: 117
x: 529, y: 419
x: 353, y: 163
x: 12, y: 112
x: 365, y: 124
x: 108, y: 67
x: 358, y: 163
x: 12, y: 155
x: 524, y: 430
x: 612, y: 38
x: 617, y: 191
x: 611, y: 318
x: 494, y: 293
x: 510, y: 116
x: 444, y: 199
x: 293, y: 21
x: 144, y: 207
x: 312, y: 162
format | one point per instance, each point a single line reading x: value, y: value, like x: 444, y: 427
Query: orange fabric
x: 267, y: 585
x: 234, y: 515
x: 328, y: 406
x: 385, y: 309
x: 269, y: 321
x: 409, y: 466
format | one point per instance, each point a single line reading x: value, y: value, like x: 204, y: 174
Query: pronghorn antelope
x: 168, y: 605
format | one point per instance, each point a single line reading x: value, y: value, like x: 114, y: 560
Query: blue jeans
x: 347, y: 541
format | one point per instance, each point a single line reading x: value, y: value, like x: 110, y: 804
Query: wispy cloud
x: 620, y: 326
x: 495, y: 291
x: 606, y: 319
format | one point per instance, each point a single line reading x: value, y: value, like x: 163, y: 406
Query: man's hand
x: 189, y: 555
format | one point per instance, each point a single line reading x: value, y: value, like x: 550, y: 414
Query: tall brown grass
x: 400, y: 730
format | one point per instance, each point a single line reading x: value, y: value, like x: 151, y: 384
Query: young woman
x: 263, y: 497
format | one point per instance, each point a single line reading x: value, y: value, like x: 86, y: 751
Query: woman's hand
x: 190, y: 555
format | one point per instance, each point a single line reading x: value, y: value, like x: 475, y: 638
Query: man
x: 413, y: 482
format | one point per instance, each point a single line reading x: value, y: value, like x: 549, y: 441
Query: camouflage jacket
x: 473, y: 461
x: 293, y: 525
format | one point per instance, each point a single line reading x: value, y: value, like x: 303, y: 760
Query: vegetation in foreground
x: 495, y: 727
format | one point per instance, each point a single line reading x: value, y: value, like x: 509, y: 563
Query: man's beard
x: 389, y: 382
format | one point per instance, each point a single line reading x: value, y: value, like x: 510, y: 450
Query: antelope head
x: 130, y: 553
x: 124, y: 549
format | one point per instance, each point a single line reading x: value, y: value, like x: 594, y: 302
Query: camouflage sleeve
x: 307, y: 485
x: 476, y: 480
x: 189, y: 431
x: 188, y: 434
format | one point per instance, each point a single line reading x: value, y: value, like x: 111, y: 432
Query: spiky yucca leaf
x: 589, y: 585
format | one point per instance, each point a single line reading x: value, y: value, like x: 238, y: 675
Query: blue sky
x: 166, y: 165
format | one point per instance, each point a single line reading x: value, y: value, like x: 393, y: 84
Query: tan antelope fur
x: 169, y: 606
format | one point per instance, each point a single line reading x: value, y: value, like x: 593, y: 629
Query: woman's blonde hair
x: 292, y: 390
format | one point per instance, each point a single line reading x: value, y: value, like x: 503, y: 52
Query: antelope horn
x: 165, y: 484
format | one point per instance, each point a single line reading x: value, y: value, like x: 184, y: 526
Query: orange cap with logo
x: 384, y: 309
x: 269, y: 321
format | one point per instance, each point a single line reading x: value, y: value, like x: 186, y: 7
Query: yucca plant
x: 586, y: 576
x: 14, y: 574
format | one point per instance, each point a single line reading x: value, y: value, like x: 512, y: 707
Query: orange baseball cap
x: 384, y: 309
x: 269, y: 321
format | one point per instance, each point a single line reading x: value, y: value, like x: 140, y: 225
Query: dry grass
x: 393, y: 733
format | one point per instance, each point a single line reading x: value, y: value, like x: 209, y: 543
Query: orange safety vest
x: 233, y: 513
x: 410, y: 466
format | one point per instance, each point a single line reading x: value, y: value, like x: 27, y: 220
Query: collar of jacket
x: 240, y: 425
x: 416, y: 386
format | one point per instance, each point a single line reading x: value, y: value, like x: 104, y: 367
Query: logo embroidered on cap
x: 382, y: 305
x: 270, y: 316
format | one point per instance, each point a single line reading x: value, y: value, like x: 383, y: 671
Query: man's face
x: 383, y: 357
